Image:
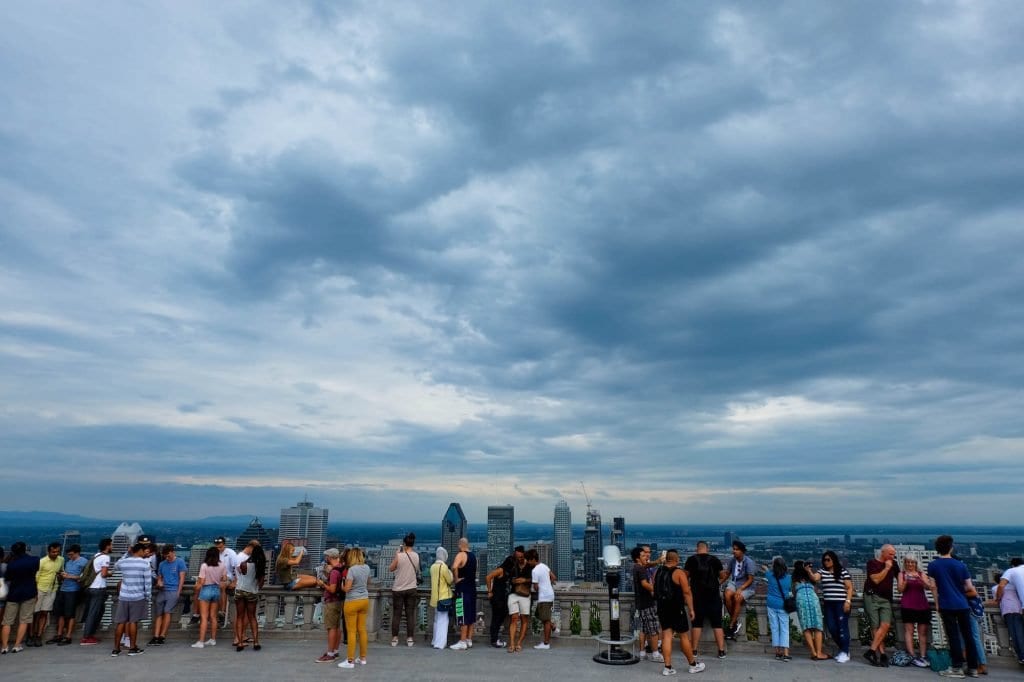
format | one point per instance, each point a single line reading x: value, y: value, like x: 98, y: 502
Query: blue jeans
x: 837, y: 621
x: 979, y: 645
x: 94, y: 612
x: 1015, y: 624
x: 957, y: 624
x: 778, y: 620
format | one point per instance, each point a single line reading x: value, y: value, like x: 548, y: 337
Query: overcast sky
x: 754, y: 262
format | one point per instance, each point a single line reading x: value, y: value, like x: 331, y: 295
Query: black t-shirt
x: 644, y: 599
x: 499, y: 586
x: 704, y: 571
x: 522, y: 589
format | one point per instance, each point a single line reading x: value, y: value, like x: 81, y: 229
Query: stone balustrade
x: 295, y: 614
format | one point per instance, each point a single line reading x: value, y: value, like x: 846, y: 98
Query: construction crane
x: 586, y: 496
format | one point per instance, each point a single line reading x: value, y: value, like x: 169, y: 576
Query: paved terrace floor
x: 283, y: 660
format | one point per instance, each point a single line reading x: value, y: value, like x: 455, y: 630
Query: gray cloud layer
x: 724, y: 262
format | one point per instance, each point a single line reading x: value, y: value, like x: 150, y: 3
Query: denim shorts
x: 209, y: 593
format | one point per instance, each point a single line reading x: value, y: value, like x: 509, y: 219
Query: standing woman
x: 285, y: 567
x: 440, y: 589
x: 250, y: 576
x: 808, y: 610
x: 779, y: 586
x: 209, y: 585
x: 837, y: 592
x: 357, y: 606
x: 914, y: 608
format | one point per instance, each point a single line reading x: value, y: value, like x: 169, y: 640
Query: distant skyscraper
x: 544, y: 553
x: 71, y: 537
x: 453, y: 527
x: 592, y: 547
x: 727, y: 539
x: 563, y: 567
x: 618, y: 538
x: 196, y: 555
x: 124, y: 537
x: 254, y: 531
x: 501, y: 521
x: 306, y: 523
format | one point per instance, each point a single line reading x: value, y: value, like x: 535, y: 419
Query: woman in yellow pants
x: 357, y: 606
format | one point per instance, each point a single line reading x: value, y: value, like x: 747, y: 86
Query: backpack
x: 901, y: 659
x: 709, y: 579
x: 88, y: 573
x: 664, y: 588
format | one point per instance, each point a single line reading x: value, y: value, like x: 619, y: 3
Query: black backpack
x: 664, y: 588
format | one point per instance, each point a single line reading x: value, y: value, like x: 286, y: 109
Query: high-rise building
x: 500, y: 534
x: 727, y: 539
x: 196, y: 555
x: 305, y: 525
x: 384, y: 557
x: 254, y: 531
x: 453, y: 527
x: 124, y: 537
x: 545, y: 554
x: 592, y: 547
x: 70, y: 537
x: 562, y: 546
x: 618, y: 538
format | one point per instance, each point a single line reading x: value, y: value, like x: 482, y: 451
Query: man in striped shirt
x: 136, y: 588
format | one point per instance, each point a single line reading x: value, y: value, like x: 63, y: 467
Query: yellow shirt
x: 46, y: 577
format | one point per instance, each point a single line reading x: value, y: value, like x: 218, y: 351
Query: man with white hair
x: 882, y: 572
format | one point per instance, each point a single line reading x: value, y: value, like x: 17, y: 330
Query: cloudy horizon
x: 722, y: 263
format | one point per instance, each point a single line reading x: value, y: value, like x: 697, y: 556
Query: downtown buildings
x: 453, y: 527
x: 562, y: 546
x: 500, y: 534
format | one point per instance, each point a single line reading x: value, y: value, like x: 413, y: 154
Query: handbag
x: 4, y: 589
x: 788, y: 603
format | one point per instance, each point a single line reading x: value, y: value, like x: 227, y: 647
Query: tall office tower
x: 453, y: 527
x: 308, y: 525
x: 124, y: 537
x: 71, y: 537
x: 544, y: 553
x: 254, y: 531
x: 196, y: 555
x: 384, y: 557
x: 618, y: 538
x: 501, y: 523
x: 727, y: 539
x: 563, y: 567
x: 481, y: 566
x: 592, y: 547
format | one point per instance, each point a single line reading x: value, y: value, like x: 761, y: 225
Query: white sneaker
x: 642, y: 656
x: 469, y: 643
x: 198, y: 645
x: 668, y: 671
x: 346, y: 664
x: 952, y: 672
x: 697, y: 667
x: 362, y: 661
x: 211, y: 642
x: 459, y: 646
x: 542, y: 645
x: 842, y: 657
x: 657, y: 657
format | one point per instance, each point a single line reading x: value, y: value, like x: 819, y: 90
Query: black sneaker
x: 64, y: 641
x: 161, y: 641
x: 135, y: 651
x: 871, y: 656
x: 54, y: 640
x: 153, y: 642
x: 721, y: 653
x: 883, y: 661
x: 115, y: 653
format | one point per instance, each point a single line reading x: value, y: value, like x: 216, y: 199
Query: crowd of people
x: 672, y: 599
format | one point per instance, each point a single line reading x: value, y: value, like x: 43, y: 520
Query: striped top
x: 832, y: 589
x: 136, y: 578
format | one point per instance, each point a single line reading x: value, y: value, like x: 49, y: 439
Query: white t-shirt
x: 99, y: 563
x: 229, y: 558
x: 542, y: 579
x: 246, y: 581
x: 1015, y: 576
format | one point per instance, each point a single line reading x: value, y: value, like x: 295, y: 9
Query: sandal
x: 257, y: 646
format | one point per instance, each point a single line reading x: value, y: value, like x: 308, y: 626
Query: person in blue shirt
x: 170, y: 577
x: 952, y: 588
x: 69, y: 595
x: 780, y: 584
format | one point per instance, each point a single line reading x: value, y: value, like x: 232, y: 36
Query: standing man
x: 169, y: 581
x: 135, y: 592
x: 542, y: 578
x: 672, y: 591
x: 21, y: 597
x: 96, y: 592
x: 497, y: 593
x: 646, y: 608
x: 882, y: 572
x: 464, y: 570
x: 47, y: 582
x: 705, y: 572
x: 520, y: 581
x: 952, y: 586
x: 229, y: 560
x: 69, y: 594
x: 739, y: 586
x: 404, y: 595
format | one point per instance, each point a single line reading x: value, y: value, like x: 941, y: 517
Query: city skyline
x: 722, y: 261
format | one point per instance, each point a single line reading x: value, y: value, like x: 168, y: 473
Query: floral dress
x: 808, y: 609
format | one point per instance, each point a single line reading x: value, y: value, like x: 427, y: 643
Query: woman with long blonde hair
x: 357, y: 606
x: 285, y: 565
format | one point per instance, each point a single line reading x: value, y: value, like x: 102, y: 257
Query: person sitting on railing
x: 739, y: 586
x: 285, y: 568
